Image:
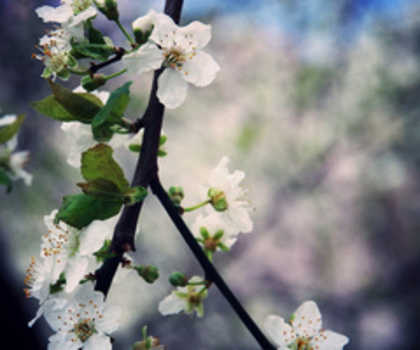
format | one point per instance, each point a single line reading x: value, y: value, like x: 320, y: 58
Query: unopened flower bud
x: 218, y: 199
x: 178, y: 279
x: 109, y: 8
x: 143, y: 27
x: 92, y: 83
x: 149, y: 273
x: 176, y: 193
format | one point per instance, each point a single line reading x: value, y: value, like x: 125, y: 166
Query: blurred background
x: 318, y: 102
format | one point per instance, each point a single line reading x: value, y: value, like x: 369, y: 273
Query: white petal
x: 172, y: 88
x: 201, y: 69
x: 53, y: 309
x: 80, y: 137
x: 92, y: 237
x: 196, y: 35
x: 97, y: 341
x: 83, y: 16
x: 60, y: 14
x: 110, y: 321
x: 278, y: 330
x: 329, y: 340
x: 307, y: 319
x: 164, y: 30
x: 171, y: 305
x: 148, y: 57
x: 75, y: 271
x: 61, y: 341
x: 238, y: 219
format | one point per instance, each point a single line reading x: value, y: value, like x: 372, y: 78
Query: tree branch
x: 146, y: 169
x: 208, y: 267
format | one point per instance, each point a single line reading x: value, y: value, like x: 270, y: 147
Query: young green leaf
x: 102, y: 189
x: 80, y: 106
x: 98, y: 163
x: 99, y: 52
x: 105, y: 178
x: 8, y: 131
x: 51, y: 108
x: 112, y: 113
x: 79, y: 210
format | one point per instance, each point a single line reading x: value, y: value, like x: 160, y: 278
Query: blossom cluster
x: 56, y: 45
x: 160, y: 44
x: 226, y: 216
x: 66, y: 259
x: 77, y: 240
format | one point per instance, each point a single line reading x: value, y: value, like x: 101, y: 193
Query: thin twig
x: 211, y: 273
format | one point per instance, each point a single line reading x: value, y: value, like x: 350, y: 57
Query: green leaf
x: 105, y: 178
x: 102, y: 189
x: 94, y: 35
x: 81, y: 106
x: 99, y: 52
x: 51, y: 108
x: 5, y: 180
x: 79, y: 210
x: 8, y: 131
x: 111, y: 113
x: 98, y: 163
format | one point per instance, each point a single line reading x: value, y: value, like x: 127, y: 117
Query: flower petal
x: 329, y: 340
x: 83, y: 16
x: 60, y: 14
x: 279, y: 331
x: 93, y: 236
x: 307, y: 319
x: 164, y: 30
x: 172, y: 304
x: 201, y: 69
x: 195, y: 35
x: 75, y: 271
x: 97, y: 341
x: 110, y: 320
x: 172, y: 88
x: 148, y: 57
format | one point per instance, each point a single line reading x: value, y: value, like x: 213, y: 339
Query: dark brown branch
x: 119, y: 53
x: 210, y: 271
x: 146, y: 170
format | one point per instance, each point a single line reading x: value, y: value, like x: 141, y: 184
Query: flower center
x: 84, y: 329
x: 303, y: 344
x: 174, y: 58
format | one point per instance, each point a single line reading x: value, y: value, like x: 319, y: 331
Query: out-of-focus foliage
x: 322, y: 112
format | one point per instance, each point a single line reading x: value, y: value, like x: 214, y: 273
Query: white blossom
x: 56, y: 45
x: 185, y: 299
x: 71, y: 249
x: 179, y: 50
x: 304, y: 331
x: 227, y: 195
x: 220, y: 234
x: 82, y: 322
